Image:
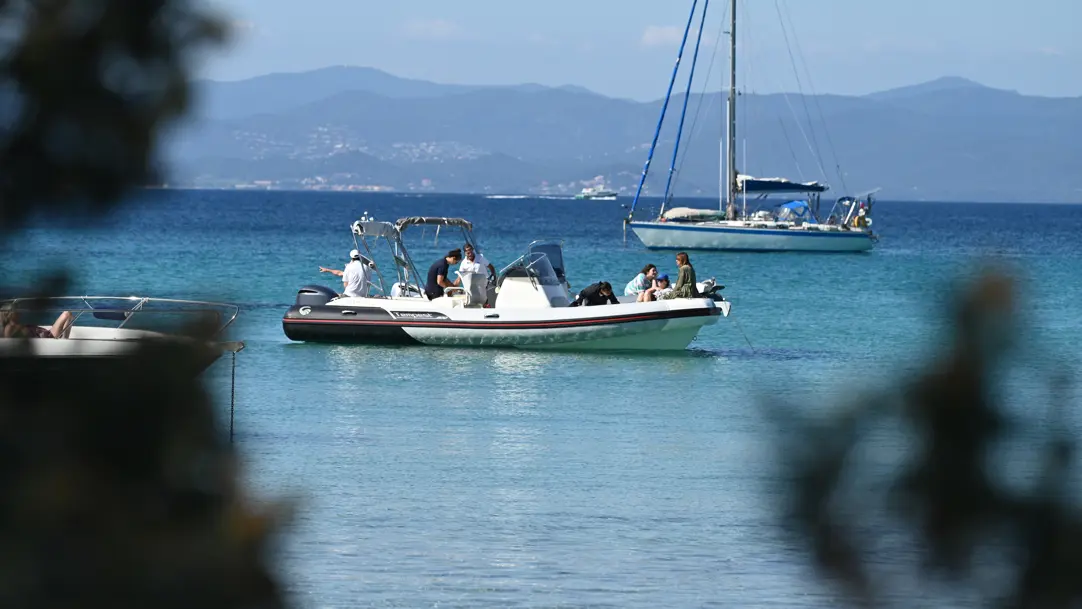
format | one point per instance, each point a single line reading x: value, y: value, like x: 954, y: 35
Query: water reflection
x: 519, y: 381
x: 515, y: 446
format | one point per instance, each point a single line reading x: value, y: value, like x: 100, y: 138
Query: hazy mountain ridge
x: 949, y: 139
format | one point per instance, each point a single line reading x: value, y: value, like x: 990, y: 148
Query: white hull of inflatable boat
x: 651, y: 326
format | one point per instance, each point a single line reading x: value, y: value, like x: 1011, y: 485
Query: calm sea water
x: 443, y: 477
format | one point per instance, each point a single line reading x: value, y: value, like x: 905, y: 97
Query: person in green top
x: 686, y: 286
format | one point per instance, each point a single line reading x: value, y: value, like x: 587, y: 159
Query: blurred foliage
x: 85, y: 88
x: 120, y: 489
x: 947, y: 498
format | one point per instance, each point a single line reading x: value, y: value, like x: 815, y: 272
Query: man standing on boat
x: 477, y: 258
x: 438, y: 272
x: 474, y: 267
x: 355, y: 277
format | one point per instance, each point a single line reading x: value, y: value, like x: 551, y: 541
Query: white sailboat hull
x: 733, y: 237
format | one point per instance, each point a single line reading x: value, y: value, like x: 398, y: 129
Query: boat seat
x: 474, y: 288
x: 454, y: 297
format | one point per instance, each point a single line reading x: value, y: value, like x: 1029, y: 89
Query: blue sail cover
x: 796, y: 211
x: 748, y: 184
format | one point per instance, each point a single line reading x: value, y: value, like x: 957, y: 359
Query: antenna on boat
x: 731, y: 174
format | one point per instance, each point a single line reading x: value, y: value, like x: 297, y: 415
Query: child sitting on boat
x: 663, y: 288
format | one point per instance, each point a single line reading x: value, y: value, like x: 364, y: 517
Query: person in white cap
x: 355, y: 277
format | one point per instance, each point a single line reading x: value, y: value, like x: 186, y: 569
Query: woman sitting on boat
x: 642, y: 282
x: 61, y: 328
x: 685, y: 279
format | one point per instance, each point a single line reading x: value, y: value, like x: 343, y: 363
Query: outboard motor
x: 710, y: 288
x: 315, y: 295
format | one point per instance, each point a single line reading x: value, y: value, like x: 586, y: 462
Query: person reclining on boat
x: 475, y: 257
x: 61, y: 328
x: 438, y: 272
x: 355, y: 277
x: 686, y: 286
x: 595, y: 294
x: 661, y: 289
x: 642, y: 282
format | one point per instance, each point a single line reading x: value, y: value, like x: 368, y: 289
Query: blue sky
x: 626, y: 48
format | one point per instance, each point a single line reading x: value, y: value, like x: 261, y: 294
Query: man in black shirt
x: 437, y: 274
x: 596, y: 294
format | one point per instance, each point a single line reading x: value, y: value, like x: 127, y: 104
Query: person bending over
x: 595, y: 294
x: 438, y: 272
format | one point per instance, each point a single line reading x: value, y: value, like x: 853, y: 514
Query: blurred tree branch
x: 87, y: 86
x: 119, y: 489
x: 946, y: 491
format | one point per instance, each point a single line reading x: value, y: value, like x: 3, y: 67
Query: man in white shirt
x: 471, y: 267
x: 470, y: 263
x: 355, y: 277
x: 471, y: 257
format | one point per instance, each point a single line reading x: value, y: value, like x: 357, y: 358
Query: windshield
x: 532, y: 264
x: 555, y: 256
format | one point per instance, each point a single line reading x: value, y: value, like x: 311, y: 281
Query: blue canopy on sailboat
x: 749, y: 184
x: 795, y: 211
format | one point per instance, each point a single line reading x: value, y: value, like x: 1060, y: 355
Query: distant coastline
x: 355, y: 129
x: 511, y: 196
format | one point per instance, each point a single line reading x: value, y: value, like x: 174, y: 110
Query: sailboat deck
x: 762, y: 224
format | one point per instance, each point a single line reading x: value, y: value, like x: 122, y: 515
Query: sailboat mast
x: 730, y: 188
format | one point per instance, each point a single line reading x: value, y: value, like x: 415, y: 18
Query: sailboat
x: 794, y: 226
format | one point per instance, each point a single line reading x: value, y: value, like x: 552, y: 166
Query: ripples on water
x: 445, y: 477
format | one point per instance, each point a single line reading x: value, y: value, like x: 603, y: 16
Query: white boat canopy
x: 402, y: 223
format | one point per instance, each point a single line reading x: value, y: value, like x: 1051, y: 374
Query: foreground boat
x: 107, y: 326
x: 795, y: 225
x: 526, y: 307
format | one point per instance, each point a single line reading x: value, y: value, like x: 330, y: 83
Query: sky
x: 626, y: 48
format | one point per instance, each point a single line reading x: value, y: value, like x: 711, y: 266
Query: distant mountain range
x: 361, y: 128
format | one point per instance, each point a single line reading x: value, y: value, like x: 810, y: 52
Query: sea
x: 444, y: 477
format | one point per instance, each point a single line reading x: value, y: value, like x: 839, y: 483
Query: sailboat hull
x: 711, y: 236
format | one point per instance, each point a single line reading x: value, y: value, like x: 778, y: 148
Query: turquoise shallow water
x: 443, y: 477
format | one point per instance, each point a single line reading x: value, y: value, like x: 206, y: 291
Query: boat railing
x: 122, y: 310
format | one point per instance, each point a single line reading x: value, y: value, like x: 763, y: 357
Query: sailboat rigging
x: 794, y: 226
